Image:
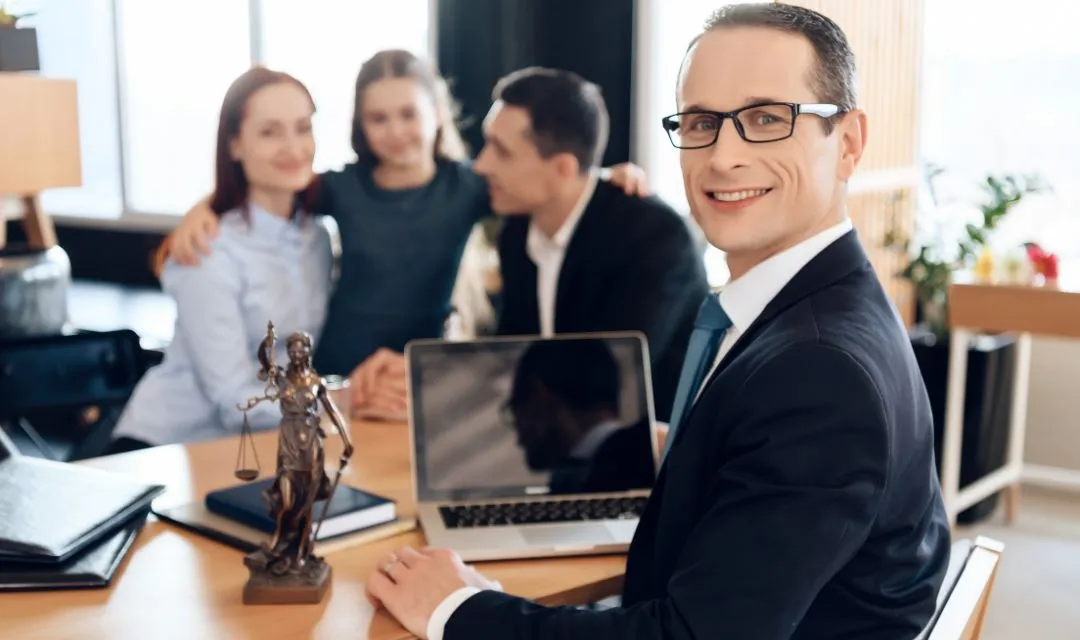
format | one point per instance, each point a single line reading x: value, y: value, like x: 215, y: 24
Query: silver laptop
x: 530, y: 447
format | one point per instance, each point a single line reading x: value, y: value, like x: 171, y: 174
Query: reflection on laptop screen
x: 505, y: 417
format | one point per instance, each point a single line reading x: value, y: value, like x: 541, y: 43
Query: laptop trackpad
x: 568, y: 534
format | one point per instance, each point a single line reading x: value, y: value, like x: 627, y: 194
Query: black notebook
x: 93, y: 567
x: 50, y: 511
x: 350, y: 508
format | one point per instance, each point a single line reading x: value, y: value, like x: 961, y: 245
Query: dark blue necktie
x: 709, y: 329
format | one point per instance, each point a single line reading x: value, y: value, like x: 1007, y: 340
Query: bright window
x: 289, y: 36
x: 175, y: 64
x: 151, y: 77
x: 999, y: 96
x: 75, y: 41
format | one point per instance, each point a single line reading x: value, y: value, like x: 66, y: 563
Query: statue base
x: 307, y: 585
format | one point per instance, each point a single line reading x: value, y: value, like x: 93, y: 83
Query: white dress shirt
x: 547, y: 253
x: 743, y: 300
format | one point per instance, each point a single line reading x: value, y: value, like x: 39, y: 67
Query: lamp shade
x: 39, y: 134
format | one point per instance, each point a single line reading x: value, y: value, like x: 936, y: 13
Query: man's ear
x: 851, y: 132
x: 566, y: 165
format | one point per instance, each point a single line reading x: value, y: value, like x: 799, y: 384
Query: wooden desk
x: 177, y: 584
x: 992, y: 308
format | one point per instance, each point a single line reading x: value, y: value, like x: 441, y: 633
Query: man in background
x: 578, y: 254
x: 585, y: 256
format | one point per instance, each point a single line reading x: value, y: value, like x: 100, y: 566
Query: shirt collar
x: 267, y: 225
x: 744, y: 298
x: 562, y: 237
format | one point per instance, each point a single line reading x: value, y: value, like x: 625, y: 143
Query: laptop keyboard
x: 546, y: 512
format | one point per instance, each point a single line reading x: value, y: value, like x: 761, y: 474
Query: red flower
x: 1050, y: 266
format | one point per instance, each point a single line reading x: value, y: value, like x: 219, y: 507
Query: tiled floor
x: 1037, y: 592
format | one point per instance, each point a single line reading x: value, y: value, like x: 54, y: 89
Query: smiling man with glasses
x: 798, y: 496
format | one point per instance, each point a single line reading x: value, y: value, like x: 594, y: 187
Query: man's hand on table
x: 411, y: 584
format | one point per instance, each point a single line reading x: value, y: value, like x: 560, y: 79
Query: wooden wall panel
x: 886, y: 36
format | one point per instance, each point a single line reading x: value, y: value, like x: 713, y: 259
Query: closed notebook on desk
x: 350, y: 508
x: 93, y: 567
x: 50, y: 511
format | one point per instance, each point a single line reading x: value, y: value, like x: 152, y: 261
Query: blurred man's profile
x: 565, y: 408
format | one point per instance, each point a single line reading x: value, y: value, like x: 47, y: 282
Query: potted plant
x: 991, y: 359
x: 930, y: 267
x: 18, y: 43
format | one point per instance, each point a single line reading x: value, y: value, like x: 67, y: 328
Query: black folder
x: 94, y: 567
x: 51, y: 511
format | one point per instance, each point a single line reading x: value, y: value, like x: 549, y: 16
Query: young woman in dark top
x: 405, y: 211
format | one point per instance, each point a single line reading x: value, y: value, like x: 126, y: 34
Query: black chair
x: 60, y: 396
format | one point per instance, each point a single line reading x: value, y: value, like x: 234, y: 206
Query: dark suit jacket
x: 799, y: 500
x: 630, y: 265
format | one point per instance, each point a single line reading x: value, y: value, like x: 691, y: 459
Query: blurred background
x: 965, y: 98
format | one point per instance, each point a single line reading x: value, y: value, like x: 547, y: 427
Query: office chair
x: 965, y: 592
x: 60, y: 396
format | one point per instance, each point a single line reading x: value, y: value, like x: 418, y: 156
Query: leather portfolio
x: 93, y: 567
x: 50, y: 511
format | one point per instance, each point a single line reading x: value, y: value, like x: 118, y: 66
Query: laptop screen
x: 506, y: 417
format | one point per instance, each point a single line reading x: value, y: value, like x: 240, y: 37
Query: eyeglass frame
x: 822, y: 110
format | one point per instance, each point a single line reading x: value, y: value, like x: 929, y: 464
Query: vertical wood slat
x: 887, y: 38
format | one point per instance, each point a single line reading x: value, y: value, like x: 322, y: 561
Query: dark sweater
x: 400, y: 256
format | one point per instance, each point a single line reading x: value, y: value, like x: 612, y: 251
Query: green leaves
x: 928, y: 270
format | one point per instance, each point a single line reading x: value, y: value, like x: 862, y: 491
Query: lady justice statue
x: 286, y: 570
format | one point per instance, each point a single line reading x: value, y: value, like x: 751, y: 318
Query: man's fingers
x: 379, y: 587
x: 409, y: 556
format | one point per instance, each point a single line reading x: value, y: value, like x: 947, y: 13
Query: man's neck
x: 739, y: 263
x: 551, y: 216
x: 277, y: 202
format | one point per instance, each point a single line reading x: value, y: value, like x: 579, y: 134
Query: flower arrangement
x: 930, y: 267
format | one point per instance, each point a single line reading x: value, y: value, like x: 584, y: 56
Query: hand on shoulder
x: 629, y: 176
x: 191, y: 238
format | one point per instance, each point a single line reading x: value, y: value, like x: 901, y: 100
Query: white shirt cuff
x: 437, y: 624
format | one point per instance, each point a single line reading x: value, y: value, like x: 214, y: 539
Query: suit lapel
x: 579, y: 260
x: 519, y: 280
x: 835, y: 262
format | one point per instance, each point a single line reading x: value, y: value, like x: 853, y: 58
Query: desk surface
x: 1046, y: 311
x: 178, y: 584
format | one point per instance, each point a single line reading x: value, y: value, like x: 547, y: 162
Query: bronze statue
x: 286, y: 570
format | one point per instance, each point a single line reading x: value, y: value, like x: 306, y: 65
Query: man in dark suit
x: 578, y: 254
x: 798, y: 497
x: 564, y: 405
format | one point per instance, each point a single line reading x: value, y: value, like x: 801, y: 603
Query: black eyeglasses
x: 762, y: 122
